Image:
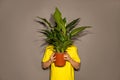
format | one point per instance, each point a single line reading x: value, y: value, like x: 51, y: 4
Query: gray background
x: 20, y: 50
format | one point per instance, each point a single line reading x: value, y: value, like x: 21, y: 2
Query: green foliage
x: 61, y: 35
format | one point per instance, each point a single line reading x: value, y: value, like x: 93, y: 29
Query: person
x: 61, y: 73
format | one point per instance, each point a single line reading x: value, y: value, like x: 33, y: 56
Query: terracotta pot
x: 60, y: 62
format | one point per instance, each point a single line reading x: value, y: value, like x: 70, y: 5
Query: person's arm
x: 47, y: 64
x: 75, y: 64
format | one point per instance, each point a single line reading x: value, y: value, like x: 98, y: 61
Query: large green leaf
x: 75, y: 31
x: 72, y: 24
x: 58, y: 18
x: 45, y: 21
x: 64, y: 20
x: 60, y: 37
x: 45, y: 32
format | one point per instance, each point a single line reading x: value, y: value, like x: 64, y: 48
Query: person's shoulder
x: 72, y: 47
x: 49, y: 47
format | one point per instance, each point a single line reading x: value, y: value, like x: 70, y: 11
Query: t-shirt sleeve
x: 73, y: 52
x: 47, y: 53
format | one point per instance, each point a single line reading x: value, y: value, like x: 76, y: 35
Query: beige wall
x: 20, y: 50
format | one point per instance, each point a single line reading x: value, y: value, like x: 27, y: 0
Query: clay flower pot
x: 60, y: 62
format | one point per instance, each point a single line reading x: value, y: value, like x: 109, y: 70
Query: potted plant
x: 61, y: 35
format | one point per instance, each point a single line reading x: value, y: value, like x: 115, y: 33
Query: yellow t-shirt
x: 62, y: 73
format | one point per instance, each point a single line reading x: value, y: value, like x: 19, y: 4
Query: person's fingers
x: 65, y: 55
x: 53, y: 57
x: 54, y: 60
x: 53, y: 54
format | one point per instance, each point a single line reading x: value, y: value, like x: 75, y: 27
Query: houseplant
x: 61, y: 35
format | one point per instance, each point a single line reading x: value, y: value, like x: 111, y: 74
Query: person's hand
x: 67, y: 56
x: 52, y: 58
